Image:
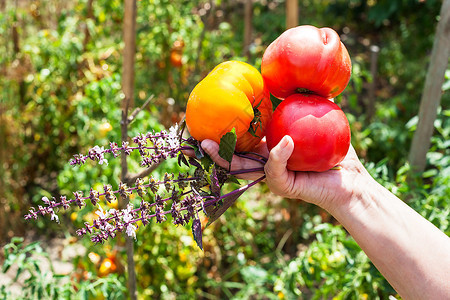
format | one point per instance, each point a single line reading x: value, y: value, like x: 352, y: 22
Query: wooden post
x: 431, y: 96
x: 370, y: 105
x: 291, y: 13
x: 248, y: 14
x: 89, y: 15
x: 129, y: 36
x: 294, y: 220
x: 129, y: 51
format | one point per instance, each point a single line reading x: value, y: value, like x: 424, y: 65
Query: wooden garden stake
x: 129, y: 36
x: 291, y: 13
x: 374, y: 52
x: 248, y: 15
x: 431, y: 96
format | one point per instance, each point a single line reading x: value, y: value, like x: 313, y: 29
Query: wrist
x: 362, y: 197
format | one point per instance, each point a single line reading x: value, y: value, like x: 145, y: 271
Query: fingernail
x: 284, y: 142
x: 205, y: 144
x: 284, y: 150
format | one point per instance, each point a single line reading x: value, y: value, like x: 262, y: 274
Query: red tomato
x: 306, y: 59
x: 319, y: 128
x: 176, y: 58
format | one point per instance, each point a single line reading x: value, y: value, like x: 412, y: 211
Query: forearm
x: 412, y: 254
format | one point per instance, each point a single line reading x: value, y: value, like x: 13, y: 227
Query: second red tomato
x: 319, y: 128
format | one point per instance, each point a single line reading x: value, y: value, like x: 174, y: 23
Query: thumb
x: 278, y: 157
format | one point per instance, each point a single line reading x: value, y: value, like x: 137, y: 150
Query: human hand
x: 325, y: 189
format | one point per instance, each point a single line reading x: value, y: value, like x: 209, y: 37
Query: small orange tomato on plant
x: 176, y: 58
x: 107, y: 267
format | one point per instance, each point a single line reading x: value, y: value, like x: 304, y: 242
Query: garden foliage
x: 60, y: 85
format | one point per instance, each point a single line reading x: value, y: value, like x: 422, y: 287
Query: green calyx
x: 256, y: 122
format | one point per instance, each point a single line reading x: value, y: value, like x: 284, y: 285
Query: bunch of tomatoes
x: 305, y: 67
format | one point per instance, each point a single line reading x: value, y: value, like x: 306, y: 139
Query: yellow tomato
x: 228, y: 98
x: 105, y: 128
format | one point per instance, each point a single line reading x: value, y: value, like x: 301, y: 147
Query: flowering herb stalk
x: 183, y: 196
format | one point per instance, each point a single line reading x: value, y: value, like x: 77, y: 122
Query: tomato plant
x: 306, y: 59
x: 231, y: 96
x: 319, y: 128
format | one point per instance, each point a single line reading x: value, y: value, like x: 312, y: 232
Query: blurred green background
x: 60, y: 91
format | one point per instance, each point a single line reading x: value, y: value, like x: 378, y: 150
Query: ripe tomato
x: 176, y: 58
x: 319, y: 128
x: 231, y: 96
x: 107, y: 267
x: 306, y: 59
x: 176, y: 53
x: 105, y: 128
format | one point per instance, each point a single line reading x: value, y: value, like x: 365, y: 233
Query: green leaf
x: 17, y: 240
x: 275, y: 101
x: 233, y: 179
x: 18, y: 272
x: 206, y: 162
x: 227, y: 145
x: 255, y: 274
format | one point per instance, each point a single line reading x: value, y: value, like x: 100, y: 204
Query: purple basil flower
x: 185, y: 191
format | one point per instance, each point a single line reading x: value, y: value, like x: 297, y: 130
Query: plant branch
x: 145, y: 172
x: 139, y: 109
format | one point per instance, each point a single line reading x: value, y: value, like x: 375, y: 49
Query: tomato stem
x: 244, y: 171
x: 256, y: 122
x: 304, y: 91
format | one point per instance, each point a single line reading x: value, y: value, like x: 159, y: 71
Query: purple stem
x: 254, y: 153
x: 243, y: 188
x: 244, y: 171
x: 129, y: 189
x: 262, y: 160
x: 205, y: 204
x: 150, y: 216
